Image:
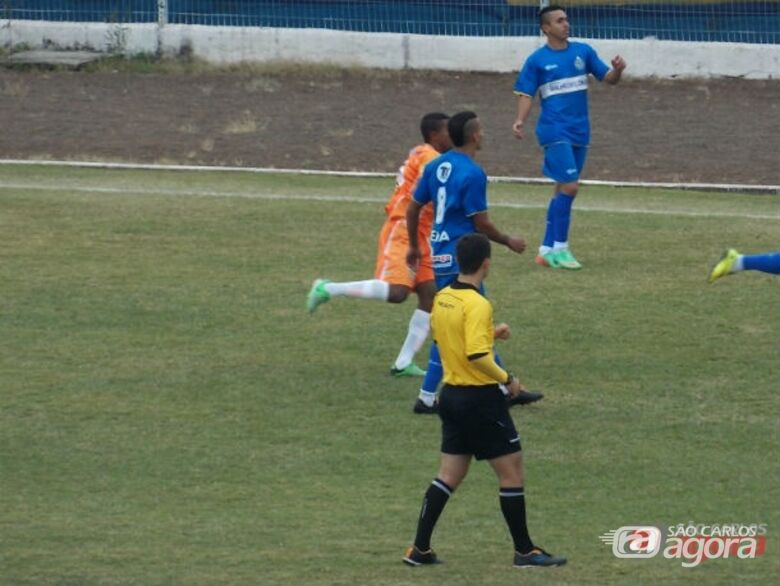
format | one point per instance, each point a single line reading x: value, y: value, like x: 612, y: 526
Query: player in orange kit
x: 393, y: 280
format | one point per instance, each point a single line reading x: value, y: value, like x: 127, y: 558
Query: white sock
x: 557, y: 246
x: 428, y: 398
x: 373, y: 289
x: 738, y: 265
x: 544, y: 250
x: 419, y: 325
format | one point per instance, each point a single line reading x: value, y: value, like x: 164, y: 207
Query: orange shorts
x: 391, y: 264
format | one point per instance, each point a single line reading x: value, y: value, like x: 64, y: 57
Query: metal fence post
x: 162, y: 20
x: 162, y: 12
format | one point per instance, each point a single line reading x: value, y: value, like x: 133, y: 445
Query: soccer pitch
x: 170, y: 414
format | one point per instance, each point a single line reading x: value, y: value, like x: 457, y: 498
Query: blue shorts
x: 563, y: 161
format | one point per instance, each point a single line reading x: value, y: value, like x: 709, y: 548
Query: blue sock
x: 434, y: 373
x: 766, y: 263
x: 549, y: 232
x: 562, y: 217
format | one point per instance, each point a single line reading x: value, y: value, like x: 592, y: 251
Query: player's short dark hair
x: 472, y: 250
x: 547, y: 10
x: 459, y: 133
x: 431, y: 123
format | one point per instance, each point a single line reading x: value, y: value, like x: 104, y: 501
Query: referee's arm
x: 485, y: 363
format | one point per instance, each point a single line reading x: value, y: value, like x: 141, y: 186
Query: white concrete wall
x: 646, y: 58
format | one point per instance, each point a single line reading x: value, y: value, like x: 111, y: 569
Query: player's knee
x: 397, y: 294
x: 569, y: 189
x: 513, y: 478
x: 451, y: 479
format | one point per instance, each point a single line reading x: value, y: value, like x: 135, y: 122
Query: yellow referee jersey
x: 462, y: 325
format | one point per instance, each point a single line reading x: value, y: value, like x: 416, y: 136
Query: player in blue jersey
x: 559, y: 72
x: 457, y: 187
x: 733, y: 262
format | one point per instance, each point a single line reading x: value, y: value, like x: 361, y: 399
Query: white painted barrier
x: 222, y: 45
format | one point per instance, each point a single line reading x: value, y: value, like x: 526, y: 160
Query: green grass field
x: 169, y: 414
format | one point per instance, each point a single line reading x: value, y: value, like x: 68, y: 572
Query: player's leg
x: 323, y: 290
x: 378, y: 288
x: 417, y: 333
x: 567, y: 193
x: 426, y: 400
x: 397, y: 293
x: 497, y: 441
x: 545, y: 249
x: 562, y: 163
x: 511, y: 495
x: 766, y: 263
x: 456, y: 454
x: 559, y: 166
x: 733, y: 262
x: 391, y: 267
x: 452, y: 471
x: 391, y: 281
x: 565, y: 200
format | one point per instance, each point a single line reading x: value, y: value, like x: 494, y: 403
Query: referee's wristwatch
x: 509, y: 378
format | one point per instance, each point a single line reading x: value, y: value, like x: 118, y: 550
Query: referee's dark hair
x: 472, y: 250
x: 547, y: 10
x: 431, y: 123
x: 460, y: 129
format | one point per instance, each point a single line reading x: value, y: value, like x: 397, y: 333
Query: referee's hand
x: 502, y: 332
x: 515, y: 387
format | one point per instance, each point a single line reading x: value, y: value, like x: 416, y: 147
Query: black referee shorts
x: 476, y: 420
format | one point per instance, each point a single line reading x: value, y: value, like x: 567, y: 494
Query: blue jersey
x: 561, y: 78
x: 457, y: 186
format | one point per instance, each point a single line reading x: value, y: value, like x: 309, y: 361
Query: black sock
x: 513, y: 507
x: 433, y: 504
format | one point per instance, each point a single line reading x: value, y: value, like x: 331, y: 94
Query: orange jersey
x: 406, y: 180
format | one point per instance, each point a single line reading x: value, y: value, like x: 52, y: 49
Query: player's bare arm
x: 614, y: 74
x: 485, y: 225
x: 524, y: 104
x: 412, y: 222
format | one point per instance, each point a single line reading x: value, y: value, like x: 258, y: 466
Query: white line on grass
x: 355, y: 199
x: 729, y: 187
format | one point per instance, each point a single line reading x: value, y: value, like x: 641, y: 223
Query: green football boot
x: 723, y: 267
x: 547, y: 260
x: 566, y: 260
x: 317, y: 295
x: 411, y: 370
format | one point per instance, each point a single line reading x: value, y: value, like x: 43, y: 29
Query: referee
x: 474, y: 414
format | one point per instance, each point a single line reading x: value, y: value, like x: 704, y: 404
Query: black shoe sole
x: 512, y: 401
x: 415, y: 564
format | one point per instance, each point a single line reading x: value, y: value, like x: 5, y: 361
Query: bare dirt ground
x: 722, y: 131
